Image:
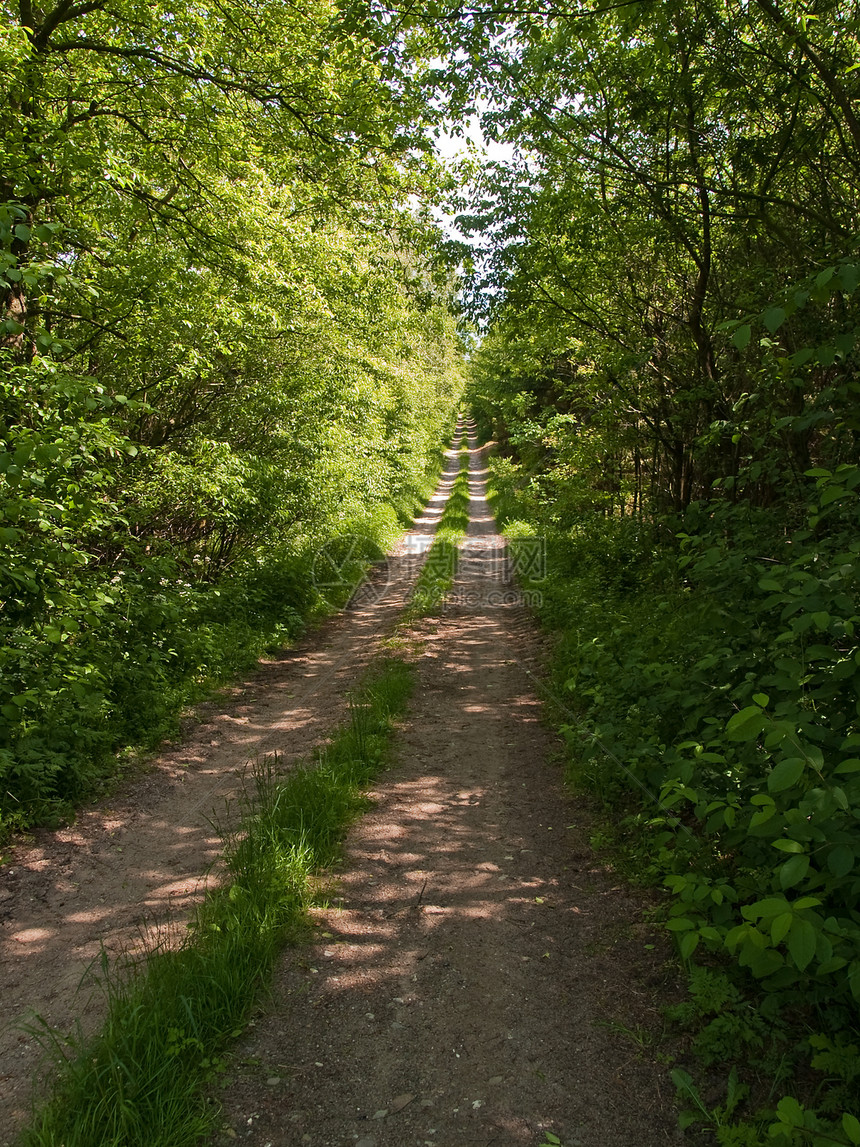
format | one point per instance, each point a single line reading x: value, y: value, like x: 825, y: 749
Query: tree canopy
x: 227, y: 336
x: 667, y: 283
x: 685, y: 177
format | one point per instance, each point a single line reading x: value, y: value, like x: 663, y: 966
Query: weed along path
x: 478, y: 977
x: 132, y: 869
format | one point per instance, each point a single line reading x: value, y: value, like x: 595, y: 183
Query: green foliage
x: 141, y: 1080
x: 225, y: 340
x: 728, y: 1026
x: 668, y: 305
x: 670, y: 370
x: 709, y: 700
x: 717, y: 1118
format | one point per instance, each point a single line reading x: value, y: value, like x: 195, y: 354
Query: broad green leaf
x: 836, y: 964
x: 688, y: 944
x: 785, y: 774
x: 801, y: 943
x: 762, y: 816
x: 849, y: 273
x: 770, y: 584
x: 773, y: 318
x: 746, y: 724
x: 841, y: 859
x: 793, y: 871
x: 825, y: 276
x: 780, y: 926
x: 786, y: 845
x: 680, y: 924
x: 840, y: 798
x: 763, y: 962
x: 770, y: 906
x: 790, y: 1111
x: 832, y: 494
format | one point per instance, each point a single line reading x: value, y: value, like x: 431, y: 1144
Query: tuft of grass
x: 140, y: 1082
x: 437, y: 573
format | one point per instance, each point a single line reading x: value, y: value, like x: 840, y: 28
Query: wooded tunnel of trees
x: 234, y: 331
x: 228, y: 339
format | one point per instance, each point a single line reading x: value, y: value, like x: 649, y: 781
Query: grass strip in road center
x: 140, y: 1082
x: 440, y: 566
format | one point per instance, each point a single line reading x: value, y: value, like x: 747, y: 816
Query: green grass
x: 141, y: 1081
x: 437, y: 573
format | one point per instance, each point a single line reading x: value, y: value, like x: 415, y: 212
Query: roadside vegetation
x: 738, y: 801
x: 141, y: 1081
x: 226, y: 342
x: 670, y: 372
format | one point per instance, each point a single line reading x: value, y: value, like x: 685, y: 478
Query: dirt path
x: 482, y: 980
x: 129, y: 867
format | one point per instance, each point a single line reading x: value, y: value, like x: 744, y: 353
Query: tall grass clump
x: 437, y: 573
x: 140, y: 1081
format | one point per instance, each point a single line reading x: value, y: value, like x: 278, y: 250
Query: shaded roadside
x: 131, y: 869
x: 481, y: 978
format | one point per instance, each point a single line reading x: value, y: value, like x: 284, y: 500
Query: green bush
x: 708, y: 694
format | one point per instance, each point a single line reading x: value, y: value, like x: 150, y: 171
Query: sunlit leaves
x: 228, y: 335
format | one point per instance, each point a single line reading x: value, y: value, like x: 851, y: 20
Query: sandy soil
x: 130, y: 869
x: 480, y: 977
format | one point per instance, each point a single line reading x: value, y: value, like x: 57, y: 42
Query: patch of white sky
x: 466, y: 141
x: 467, y: 144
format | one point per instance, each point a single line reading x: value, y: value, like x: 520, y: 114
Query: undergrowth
x: 140, y: 1082
x: 79, y: 697
x: 707, y: 693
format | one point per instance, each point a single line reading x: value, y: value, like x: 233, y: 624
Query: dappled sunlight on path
x: 461, y: 985
x: 128, y: 874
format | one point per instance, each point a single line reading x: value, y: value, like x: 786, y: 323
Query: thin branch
x: 261, y: 94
